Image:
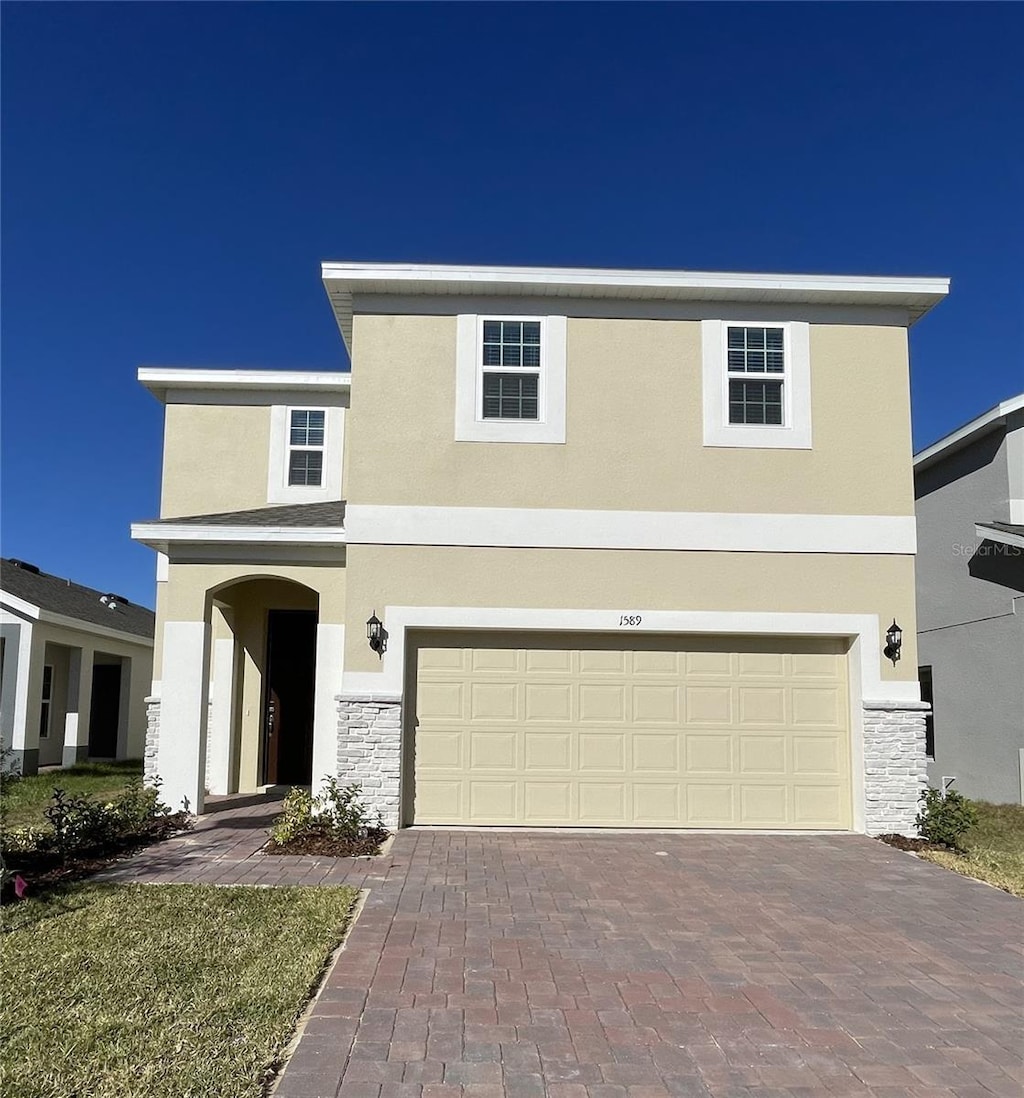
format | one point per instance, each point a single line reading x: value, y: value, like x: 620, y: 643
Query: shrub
x: 336, y: 813
x: 945, y: 817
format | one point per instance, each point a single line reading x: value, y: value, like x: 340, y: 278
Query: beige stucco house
x: 77, y: 664
x: 634, y: 539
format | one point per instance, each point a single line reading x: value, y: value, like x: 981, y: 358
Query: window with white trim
x: 306, y: 443
x: 756, y: 384
x: 47, y: 702
x: 510, y: 378
x: 511, y: 368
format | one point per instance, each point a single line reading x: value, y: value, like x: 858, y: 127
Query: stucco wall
x: 634, y: 434
x: 634, y: 581
x: 971, y: 621
x: 216, y: 458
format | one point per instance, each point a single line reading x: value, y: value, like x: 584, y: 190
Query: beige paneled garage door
x: 658, y: 734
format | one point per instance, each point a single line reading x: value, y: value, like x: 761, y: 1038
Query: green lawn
x: 994, y: 849
x: 25, y: 799
x: 159, y: 991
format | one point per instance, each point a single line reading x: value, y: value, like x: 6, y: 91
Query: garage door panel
x: 651, y: 737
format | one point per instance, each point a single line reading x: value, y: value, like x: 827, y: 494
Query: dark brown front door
x: 104, y: 710
x: 288, y: 717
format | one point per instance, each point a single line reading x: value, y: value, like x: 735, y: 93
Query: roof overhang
x: 993, y: 533
x: 343, y: 280
x: 964, y: 436
x: 164, y: 536
x: 163, y: 382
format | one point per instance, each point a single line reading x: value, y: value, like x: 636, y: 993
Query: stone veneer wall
x: 149, y: 765
x: 895, y: 769
x: 370, y: 751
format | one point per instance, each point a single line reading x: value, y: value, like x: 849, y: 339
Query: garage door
x: 658, y: 734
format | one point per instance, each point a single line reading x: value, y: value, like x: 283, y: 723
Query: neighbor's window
x: 756, y: 366
x: 511, y: 367
x: 44, y: 709
x: 306, y: 447
x: 924, y: 675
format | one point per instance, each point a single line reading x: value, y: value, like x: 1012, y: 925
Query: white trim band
x: 372, y: 524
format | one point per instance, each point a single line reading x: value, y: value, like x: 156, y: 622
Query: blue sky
x: 175, y: 173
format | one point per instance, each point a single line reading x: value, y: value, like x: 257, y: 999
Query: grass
x: 157, y: 991
x: 25, y: 799
x: 993, y: 850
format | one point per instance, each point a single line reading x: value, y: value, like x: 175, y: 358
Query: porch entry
x: 288, y: 697
x: 105, y: 710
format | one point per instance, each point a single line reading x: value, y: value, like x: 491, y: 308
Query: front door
x: 288, y: 716
x: 104, y: 710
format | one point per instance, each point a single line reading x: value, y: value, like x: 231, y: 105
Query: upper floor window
x: 756, y: 384
x: 306, y: 451
x: 756, y: 363
x: 511, y: 366
x: 306, y: 447
x: 510, y: 379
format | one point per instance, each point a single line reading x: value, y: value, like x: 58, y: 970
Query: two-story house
x: 585, y: 548
x: 970, y: 603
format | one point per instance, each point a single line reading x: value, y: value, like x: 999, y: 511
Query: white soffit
x: 343, y: 279
x: 161, y: 381
x: 962, y: 436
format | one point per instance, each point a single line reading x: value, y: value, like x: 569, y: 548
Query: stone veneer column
x: 370, y: 751
x: 895, y: 767
x: 149, y: 765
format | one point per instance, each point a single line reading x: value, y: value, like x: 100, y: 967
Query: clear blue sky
x: 175, y: 173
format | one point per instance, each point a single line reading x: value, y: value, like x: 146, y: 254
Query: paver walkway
x: 487, y: 964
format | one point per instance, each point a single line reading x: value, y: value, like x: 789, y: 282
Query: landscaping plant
x: 945, y: 818
x: 335, y: 821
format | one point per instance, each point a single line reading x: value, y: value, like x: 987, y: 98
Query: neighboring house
x: 618, y: 548
x: 77, y: 666
x: 970, y: 603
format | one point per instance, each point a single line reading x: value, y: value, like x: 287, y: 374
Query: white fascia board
x: 20, y: 606
x: 551, y: 528
x: 158, y: 535
x: 162, y: 380
x: 343, y: 279
x: 1003, y: 536
x: 994, y: 417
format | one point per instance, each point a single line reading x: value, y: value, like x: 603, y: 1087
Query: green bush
x: 335, y: 813
x: 945, y: 817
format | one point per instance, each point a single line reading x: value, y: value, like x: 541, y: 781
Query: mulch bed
x: 901, y: 842
x: 325, y: 846
x: 45, y: 870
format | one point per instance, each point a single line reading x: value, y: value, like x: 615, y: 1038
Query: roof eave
x: 976, y: 428
x: 161, y: 380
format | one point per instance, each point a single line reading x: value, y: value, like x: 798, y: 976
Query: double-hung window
x: 756, y: 365
x: 306, y: 438
x: 510, y: 378
x: 757, y: 384
x: 510, y: 354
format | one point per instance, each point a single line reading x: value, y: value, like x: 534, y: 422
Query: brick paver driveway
x: 591, y: 966
x: 525, y: 964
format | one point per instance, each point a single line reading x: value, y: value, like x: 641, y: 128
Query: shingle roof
x: 61, y: 596
x: 292, y: 514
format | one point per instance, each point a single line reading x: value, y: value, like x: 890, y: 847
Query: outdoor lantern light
x: 894, y: 639
x: 376, y: 634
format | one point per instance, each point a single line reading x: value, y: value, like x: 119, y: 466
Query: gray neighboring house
x: 75, y: 668
x: 970, y: 603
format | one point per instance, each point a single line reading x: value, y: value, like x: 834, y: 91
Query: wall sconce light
x: 894, y: 642
x: 376, y: 634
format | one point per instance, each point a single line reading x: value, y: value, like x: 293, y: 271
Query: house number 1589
x: 630, y: 619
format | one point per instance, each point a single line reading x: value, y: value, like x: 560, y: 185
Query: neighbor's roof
x: 1009, y: 533
x: 291, y: 524
x: 343, y: 279
x: 963, y: 436
x: 72, y: 600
